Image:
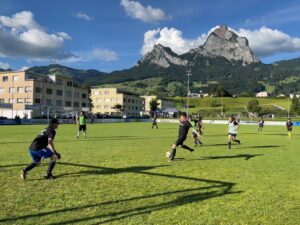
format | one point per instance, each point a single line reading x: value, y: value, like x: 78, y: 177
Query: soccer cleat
x: 191, y: 150
x: 238, y: 141
x: 170, y: 160
x: 50, y: 176
x: 23, y: 174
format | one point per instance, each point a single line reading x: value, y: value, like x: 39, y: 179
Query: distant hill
x: 224, y: 62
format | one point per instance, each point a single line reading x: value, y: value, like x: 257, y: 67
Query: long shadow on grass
x: 246, y: 156
x: 212, y: 189
x: 262, y: 146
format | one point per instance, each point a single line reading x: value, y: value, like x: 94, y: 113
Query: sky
x: 110, y: 35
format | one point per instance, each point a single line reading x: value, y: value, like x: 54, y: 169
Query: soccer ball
x: 168, y: 154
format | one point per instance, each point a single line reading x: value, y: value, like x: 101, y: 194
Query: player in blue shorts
x: 42, y: 147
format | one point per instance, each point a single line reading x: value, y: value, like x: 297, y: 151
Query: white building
x: 262, y: 94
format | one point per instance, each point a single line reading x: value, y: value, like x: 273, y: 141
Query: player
x: 82, y: 124
x: 233, y: 127
x: 261, y: 124
x: 289, y: 127
x: 184, y: 126
x: 43, y: 147
x: 195, y: 132
x: 154, y: 122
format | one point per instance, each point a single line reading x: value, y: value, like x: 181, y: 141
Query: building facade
x: 104, y: 101
x: 163, y: 103
x: 32, y: 96
x: 262, y: 94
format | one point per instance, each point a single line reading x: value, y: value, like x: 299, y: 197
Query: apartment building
x: 163, y: 103
x: 33, y: 96
x: 105, y: 99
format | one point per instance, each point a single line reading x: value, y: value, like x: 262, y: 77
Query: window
x: 97, y: 93
x: 68, y: 104
x: 76, y: 104
x: 106, y: 92
x: 83, y: 104
x: 76, y: 95
x: 58, y: 81
x: 38, y: 90
x: 49, y: 91
x: 129, y: 101
x: 106, y: 107
x: 28, y: 89
x: 83, y: 95
x: 27, y: 100
x: 37, y: 101
x: 69, y: 83
x: 48, y: 102
x: 1, y: 90
x: 5, y: 79
x: 1, y: 100
x: 132, y: 100
x: 20, y: 89
x: 68, y: 94
x: 11, y: 90
x: 99, y: 100
x: 58, y: 102
x: 98, y: 106
x: 15, y: 78
x: 12, y: 100
x: 20, y: 100
x: 136, y: 108
x: 59, y: 92
x: 107, y: 100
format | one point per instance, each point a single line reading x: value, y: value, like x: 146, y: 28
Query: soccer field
x: 119, y: 175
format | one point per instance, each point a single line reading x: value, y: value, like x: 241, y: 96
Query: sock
x: 173, y: 154
x: 51, y: 167
x: 30, y: 167
x: 78, y: 133
x: 229, y: 145
x: 187, y: 148
x: 84, y: 134
x: 290, y: 134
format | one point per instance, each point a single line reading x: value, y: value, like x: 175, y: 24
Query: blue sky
x: 112, y: 35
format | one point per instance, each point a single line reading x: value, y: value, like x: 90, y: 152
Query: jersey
x: 184, y: 127
x: 289, y: 126
x: 41, y: 141
x: 82, y: 120
x: 233, y: 127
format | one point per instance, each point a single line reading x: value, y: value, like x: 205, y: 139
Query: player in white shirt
x: 233, y: 127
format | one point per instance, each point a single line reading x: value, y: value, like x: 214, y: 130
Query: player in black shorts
x: 184, y: 126
x: 43, y: 147
x: 82, y: 124
x: 289, y: 126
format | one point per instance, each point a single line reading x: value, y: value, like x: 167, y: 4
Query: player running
x: 82, y: 124
x: 184, y: 126
x: 233, y: 127
x: 261, y: 124
x: 196, y: 133
x: 42, y: 147
x: 289, y: 127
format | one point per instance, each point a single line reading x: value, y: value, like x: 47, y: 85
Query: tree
x: 153, y: 105
x: 119, y: 108
x: 253, y: 106
x: 295, y: 106
x: 86, y: 86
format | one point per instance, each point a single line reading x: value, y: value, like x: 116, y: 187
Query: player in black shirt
x: 43, y: 147
x: 184, y: 126
x: 289, y: 127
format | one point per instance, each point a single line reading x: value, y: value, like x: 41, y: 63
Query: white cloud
x: 172, y: 38
x: 148, y: 14
x: 4, y: 66
x: 264, y: 41
x: 83, y: 16
x: 22, y: 36
x: 104, y: 54
x: 23, y: 68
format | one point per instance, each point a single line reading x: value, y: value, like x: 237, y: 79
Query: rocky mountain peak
x: 163, y: 57
x: 226, y: 43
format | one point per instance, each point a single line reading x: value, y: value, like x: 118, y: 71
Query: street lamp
x: 188, y: 73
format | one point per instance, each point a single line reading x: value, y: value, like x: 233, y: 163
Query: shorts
x: 82, y: 127
x: 261, y: 125
x: 233, y: 135
x: 194, y: 134
x: 39, y: 154
x: 180, y: 141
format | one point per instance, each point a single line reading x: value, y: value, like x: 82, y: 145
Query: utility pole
x: 188, y: 73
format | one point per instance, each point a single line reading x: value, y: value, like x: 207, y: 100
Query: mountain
x: 225, y: 43
x: 91, y: 76
x: 224, y: 60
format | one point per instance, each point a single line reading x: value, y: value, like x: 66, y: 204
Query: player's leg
x: 187, y: 148
x: 36, y: 161
x: 229, y: 141
x: 47, y: 153
x: 173, y: 152
x: 78, y: 132
x: 84, y: 130
x: 235, y: 139
x: 290, y: 134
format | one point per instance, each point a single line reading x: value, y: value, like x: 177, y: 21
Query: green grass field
x: 119, y: 175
